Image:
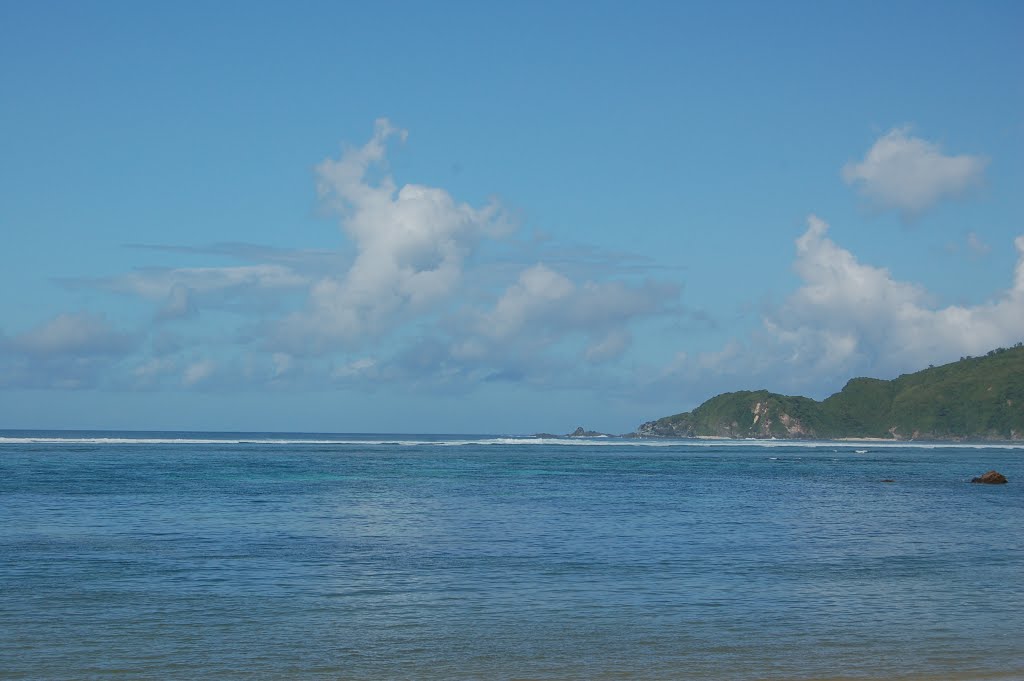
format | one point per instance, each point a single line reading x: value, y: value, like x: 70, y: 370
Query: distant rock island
x: 976, y: 398
x: 579, y: 432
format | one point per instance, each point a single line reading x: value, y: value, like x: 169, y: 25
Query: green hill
x: 976, y: 398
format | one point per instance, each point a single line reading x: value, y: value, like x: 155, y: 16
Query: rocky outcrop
x: 580, y: 432
x: 991, y: 478
x: 666, y: 428
x: 745, y: 414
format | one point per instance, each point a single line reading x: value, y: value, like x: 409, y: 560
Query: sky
x: 460, y: 217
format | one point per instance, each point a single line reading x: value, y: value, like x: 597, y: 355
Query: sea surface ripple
x: 254, y: 555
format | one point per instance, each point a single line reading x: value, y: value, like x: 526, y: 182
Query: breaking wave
x: 518, y: 441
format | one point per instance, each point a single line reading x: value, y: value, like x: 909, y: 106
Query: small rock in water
x: 991, y: 478
x: 888, y: 480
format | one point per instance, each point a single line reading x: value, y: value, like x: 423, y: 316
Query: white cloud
x: 543, y: 308
x: 160, y: 283
x: 179, y: 303
x: 68, y: 352
x: 406, y: 290
x: 846, y: 319
x: 282, y: 363
x: 197, y: 372
x: 849, y: 316
x: 363, y: 367
x: 79, y: 334
x: 909, y: 174
x: 729, y: 355
x: 972, y: 245
x: 545, y: 299
x: 410, y: 247
x: 612, y: 346
x: 976, y: 246
x: 152, y: 370
x: 540, y: 292
x: 182, y: 291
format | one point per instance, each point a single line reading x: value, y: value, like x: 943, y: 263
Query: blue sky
x: 457, y: 217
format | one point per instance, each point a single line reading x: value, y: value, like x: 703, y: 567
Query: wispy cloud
x: 158, y: 283
x: 976, y: 246
x: 546, y: 305
x: 298, y: 259
x: 197, y: 372
x: 73, y: 334
x: 182, y: 292
x: 910, y: 175
x: 67, y: 352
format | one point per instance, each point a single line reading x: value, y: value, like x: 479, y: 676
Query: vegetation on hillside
x: 974, y: 398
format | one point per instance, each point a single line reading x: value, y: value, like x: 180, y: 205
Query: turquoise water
x: 156, y: 555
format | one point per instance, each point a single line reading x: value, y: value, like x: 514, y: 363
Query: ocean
x: 256, y: 555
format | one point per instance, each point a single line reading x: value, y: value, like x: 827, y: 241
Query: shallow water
x: 395, y: 556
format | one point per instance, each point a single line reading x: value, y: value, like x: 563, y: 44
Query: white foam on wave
x: 196, y: 441
x: 371, y: 443
x: 125, y: 441
x: 566, y: 442
x: 506, y: 441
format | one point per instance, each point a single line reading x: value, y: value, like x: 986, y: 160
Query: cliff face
x: 976, y: 398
